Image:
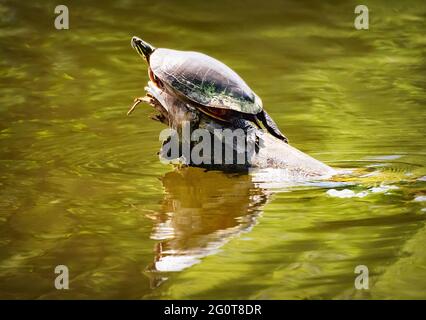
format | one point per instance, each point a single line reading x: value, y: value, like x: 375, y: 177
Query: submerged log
x: 269, y: 152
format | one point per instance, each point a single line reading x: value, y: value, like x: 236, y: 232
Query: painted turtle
x: 206, y: 83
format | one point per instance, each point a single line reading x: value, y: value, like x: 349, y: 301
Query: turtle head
x: 143, y: 48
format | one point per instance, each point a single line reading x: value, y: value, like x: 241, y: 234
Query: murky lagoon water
x: 81, y: 184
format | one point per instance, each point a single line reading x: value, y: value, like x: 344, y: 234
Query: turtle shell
x: 204, y: 80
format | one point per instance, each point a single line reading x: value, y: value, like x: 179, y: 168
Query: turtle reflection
x: 201, y: 211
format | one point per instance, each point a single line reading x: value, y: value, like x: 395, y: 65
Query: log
x: 271, y: 153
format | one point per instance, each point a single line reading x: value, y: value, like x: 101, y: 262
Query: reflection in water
x: 201, y: 211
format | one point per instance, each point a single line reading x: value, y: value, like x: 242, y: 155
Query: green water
x: 81, y: 184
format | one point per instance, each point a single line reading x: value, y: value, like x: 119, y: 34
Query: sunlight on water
x: 81, y: 184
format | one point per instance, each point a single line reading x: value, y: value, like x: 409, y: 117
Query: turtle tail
x: 271, y: 126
